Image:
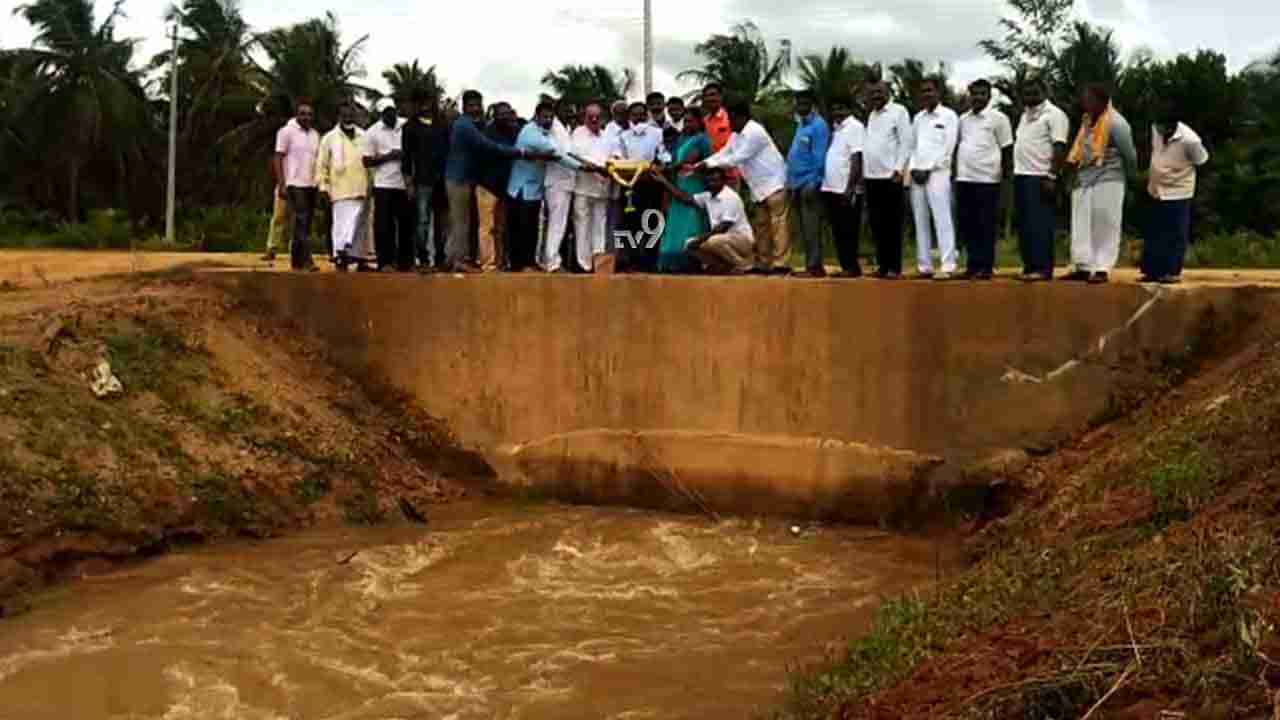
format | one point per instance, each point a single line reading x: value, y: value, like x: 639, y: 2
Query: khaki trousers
x: 727, y: 252
x: 772, y: 226
x: 492, y: 213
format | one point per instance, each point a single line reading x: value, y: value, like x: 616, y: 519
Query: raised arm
x: 676, y: 192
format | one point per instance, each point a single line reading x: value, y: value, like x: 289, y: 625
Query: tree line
x: 84, y: 119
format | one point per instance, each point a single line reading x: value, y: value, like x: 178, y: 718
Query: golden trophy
x: 626, y: 173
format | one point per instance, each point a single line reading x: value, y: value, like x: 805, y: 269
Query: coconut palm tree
x: 81, y: 104
x: 741, y: 64
x: 832, y: 76
x: 407, y: 79
x: 216, y: 93
x: 306, y: 61
x: 582, y: 84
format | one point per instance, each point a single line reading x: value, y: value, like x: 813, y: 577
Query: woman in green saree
x: 685, y: 221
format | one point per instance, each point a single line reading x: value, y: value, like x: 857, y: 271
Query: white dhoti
x: 589, y: 217
x: 932, y: 200
x: 362, y: 246
x: 1097, y: 213
x: 346, y: 221
x: 557, y: 202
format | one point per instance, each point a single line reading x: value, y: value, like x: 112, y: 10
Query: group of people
x: 544, y: 195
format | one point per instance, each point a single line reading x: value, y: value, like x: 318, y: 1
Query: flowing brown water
x: 492, y: 611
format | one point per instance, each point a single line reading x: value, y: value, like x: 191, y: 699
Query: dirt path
x: 45, y: 268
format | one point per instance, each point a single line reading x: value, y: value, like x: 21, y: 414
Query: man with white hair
x: 343, y: 179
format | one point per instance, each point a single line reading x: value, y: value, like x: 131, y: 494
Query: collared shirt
x: 426, y: 147
x: 643, y: 142
x: 983, y: 138
x: 380, y: 140
x: 1039, y: 130
x: 340, y: 169
x: 719, y: 131
x: 560, y: 177
x: 752, y: 151
x: 889, y: 142
x: 299, y: 148
x: 1173, y: 164
x: 935, y: 134
x: 529, y: 176
x: 677, y: 125
x: 468, y: 150
x: 598, y: 148
x: 807, y: 157
x: 848, y: 141
x: 726, y: 207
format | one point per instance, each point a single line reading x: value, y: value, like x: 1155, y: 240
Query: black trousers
x: 1036, y: 216
x: 303, y: 203
x: 393, y: 229
x: 885, y: 200
x: 1168, y: 233
x: 523, y: 217
x: 845, y: 217
x: 646, y: 196
x: 977, y: 211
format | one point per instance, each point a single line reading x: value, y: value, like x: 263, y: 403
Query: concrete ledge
x: 694, y: 471
x: 761, y: 395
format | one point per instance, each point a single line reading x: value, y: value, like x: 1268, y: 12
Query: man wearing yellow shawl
x: 1104, y: 157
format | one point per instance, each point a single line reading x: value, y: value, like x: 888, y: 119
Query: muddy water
x: 493, y: 611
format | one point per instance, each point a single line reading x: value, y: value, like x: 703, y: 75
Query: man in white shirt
x: 559, y: 192
x: 641, y: 141
x: 983, y: 159
x: 887, y: 150
x: 935, y: 129
x: 1039, y: 150
x: 729, y: 247
x: 752, y: 151
x: 1176, y: 152
x: 842, y: 185
x: 393, y: 215
x: 591, y: 190
x: 293, y: 165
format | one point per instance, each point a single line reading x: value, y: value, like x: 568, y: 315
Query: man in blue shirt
x: 468, y: 147
x: 525, y: 187
x: 806, y: 163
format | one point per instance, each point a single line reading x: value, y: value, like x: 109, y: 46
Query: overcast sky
x: 503, y: 47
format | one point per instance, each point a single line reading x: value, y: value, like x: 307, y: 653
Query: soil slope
x: 1135, y: 573
x: 226, y: 424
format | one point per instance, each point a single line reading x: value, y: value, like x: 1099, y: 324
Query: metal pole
x: 171, y: 192
x: 648, y: 46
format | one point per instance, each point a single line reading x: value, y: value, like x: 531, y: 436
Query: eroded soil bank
x: 1136, y: 574
x: 225, y: 424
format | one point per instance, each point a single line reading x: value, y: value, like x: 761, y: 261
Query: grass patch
x: 1180, y: 487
